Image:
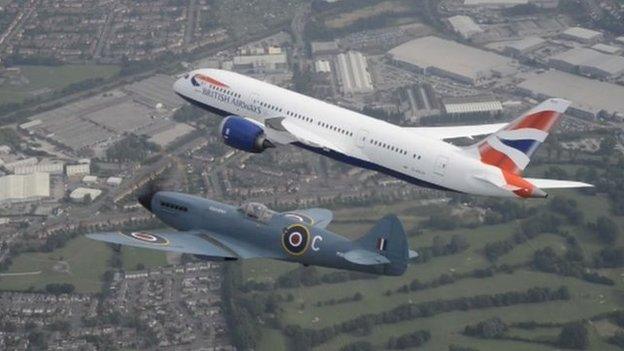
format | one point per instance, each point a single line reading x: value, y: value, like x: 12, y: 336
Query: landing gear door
x: 362, y: 138
x: 441, y: 165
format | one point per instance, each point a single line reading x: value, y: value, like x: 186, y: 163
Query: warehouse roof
x: 451, y: 56
x: 591, y: 58
x: 526, y: 43
x: 582, y: 33
x: 465, y: 26
x: 586, y: 94
x: 20, y: 187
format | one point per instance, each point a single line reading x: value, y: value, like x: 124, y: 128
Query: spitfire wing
x: 318, y: 217
x: 457, y: 131
x: 185, y: 242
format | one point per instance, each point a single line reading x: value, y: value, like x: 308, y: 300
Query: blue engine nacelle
x: 242, y: 134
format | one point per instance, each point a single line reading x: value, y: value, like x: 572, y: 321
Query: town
x: 89, y: 118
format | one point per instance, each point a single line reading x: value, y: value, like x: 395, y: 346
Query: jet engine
x: 243, y: 134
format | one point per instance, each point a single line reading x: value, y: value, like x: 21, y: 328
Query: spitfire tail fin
x: 511, y: 148
x: 387, y: 238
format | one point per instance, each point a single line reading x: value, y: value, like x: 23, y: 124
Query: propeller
x: 146, y: 193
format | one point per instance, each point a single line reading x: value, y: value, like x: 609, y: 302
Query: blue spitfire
x: 215, y: 231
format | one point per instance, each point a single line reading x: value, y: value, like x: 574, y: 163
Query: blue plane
x: 215, y: 231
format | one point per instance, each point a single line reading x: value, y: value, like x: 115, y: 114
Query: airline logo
x: 197, y: 79
x: 511, y: 148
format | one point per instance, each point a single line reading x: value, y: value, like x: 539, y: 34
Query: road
x: 191, y: 22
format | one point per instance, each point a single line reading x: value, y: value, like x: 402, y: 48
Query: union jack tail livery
x: 510, y: 148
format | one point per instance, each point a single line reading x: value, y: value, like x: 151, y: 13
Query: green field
x: 587, y: 299
x: 52, y: 78
x: 82, y: 262
x: 132, y: 257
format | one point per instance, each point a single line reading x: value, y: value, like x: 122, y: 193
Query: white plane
x: 260, y: 115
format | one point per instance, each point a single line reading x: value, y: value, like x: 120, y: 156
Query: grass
x: 346, y: 19
x: 587, y: 299
x: 86, y: 260
x: 53, y: 78
x: 131, y: 257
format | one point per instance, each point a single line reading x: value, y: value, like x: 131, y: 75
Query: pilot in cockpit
x: 257, y: 211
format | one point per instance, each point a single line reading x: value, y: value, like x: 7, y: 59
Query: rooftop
x: 584, y: 57
x: 451, y: 56
x: 582, y: 33
x: 526, y: 43
x: 20, y: 187
x: 586, y: 94
x: 465, y: 26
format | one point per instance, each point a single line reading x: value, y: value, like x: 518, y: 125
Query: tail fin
x: 388, y: 239
x: 510, y: 148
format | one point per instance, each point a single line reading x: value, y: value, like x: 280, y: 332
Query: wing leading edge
x: 452, y: 132
x: 183, y: 242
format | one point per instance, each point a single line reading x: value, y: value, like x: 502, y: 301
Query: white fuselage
x: 361, y: 140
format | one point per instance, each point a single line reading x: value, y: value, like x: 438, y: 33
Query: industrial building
x: 588, y: 62
x: 472, y: 105
x: 607, y: 49
x: 464, y: 26
x: 589, y: 97
x: 11, y: 166
x: 324, y: 48
x: 433, y: 55
x: 114, y: 181
x: 525, y: 46
x: 79, y: 169
x: 143, y: 108
x: 84, y: 194
x: 52, y: 168
x: 353, y: 73
x: 322, y: 66
x: 270, y: 61
x: 89, y: 179
x: 18, y: 188
x: 582, y: 35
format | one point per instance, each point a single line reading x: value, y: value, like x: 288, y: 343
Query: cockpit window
x: 257, y: 211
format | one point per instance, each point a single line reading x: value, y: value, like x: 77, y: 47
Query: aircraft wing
x: 284, y: 131
x: 184, y: 242
x: 457, y: 131
x: 557, y: 184
x: 318, y: 217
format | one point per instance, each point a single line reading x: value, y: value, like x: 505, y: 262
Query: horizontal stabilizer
x: 184, y: 242
x: 557, y: 184
x: 365, y: 257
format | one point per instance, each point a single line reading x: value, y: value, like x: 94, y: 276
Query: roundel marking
x: 296, y: 239
x: 148, y: 238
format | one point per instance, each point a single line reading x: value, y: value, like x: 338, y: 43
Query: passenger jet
x: 259, y: 115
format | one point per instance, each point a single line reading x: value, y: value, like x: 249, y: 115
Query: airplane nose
x: 146, y: 200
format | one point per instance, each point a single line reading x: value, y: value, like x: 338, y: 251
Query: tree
x: 574, y: 336
x: 491, y: 328
x: 607, y: 229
